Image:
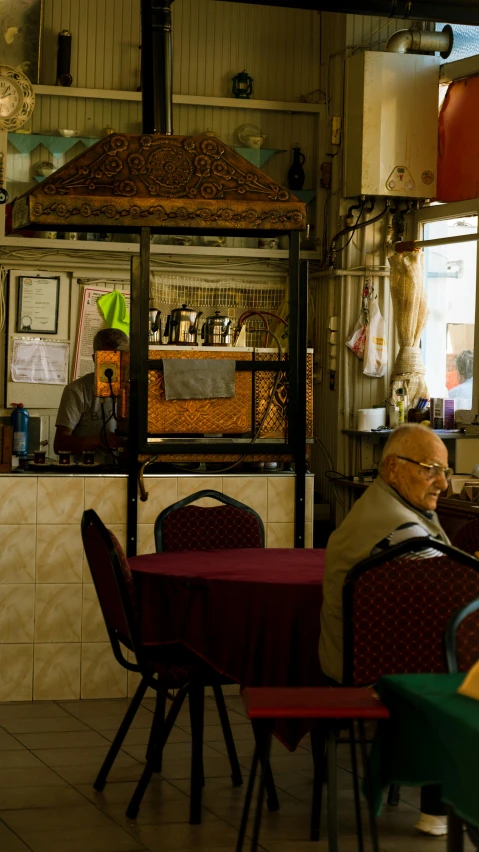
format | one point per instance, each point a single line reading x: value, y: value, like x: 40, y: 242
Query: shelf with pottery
x: 187, y: 100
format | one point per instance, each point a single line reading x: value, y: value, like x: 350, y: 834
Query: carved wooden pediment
x: 128, y: 181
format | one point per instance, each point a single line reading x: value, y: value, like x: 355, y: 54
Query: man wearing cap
x: 83, y: 421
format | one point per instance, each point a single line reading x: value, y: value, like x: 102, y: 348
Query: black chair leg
x: 117, y: 743
x: 236, y: 775
x: 135, y: 802
x: 247, y: 801
x: 369, y: 791
x: 357, y: 799
x: 271, y: 795
x: 263, y: 734
x: 152, y: 752
x: 393, y: 794
x: 332, y: 792
x: 318, y: 746
x: 197, y: 708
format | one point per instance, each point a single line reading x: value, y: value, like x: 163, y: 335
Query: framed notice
x: 38, y: 305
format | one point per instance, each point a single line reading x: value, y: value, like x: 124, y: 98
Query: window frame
x: 452, y: 210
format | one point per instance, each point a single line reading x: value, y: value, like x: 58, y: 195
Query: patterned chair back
x: 113, y: 581
x: 462, y: 638
x: 396, y: 608
x: 230, y: 525
x: 467, y: 537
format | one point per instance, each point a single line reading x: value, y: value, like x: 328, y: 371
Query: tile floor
x: 50, y: 753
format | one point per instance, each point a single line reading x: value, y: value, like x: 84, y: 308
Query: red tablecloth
x: 251, y: 614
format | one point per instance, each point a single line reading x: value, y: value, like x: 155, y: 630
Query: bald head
x: 418, y: 485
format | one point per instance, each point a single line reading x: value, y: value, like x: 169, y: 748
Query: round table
x: 252, y: 614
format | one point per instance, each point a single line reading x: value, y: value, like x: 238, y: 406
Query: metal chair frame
x: 451, y: 631
x: 180, y: 504
x: 145, y: 666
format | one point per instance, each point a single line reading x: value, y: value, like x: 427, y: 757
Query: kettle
x: 154, y: 325
x: 217, y: 331
x: 182, y: 326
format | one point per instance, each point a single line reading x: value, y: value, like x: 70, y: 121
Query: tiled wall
x: 53, y: 643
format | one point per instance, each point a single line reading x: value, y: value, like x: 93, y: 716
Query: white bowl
x: 68, y: 133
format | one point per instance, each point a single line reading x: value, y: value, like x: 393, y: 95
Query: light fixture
x: 242, y: 85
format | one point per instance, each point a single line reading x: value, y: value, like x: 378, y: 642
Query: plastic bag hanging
x: 375, y: 353
x: 357, y: 340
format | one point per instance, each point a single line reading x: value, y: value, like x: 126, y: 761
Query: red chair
x: 467, y: 537
x: 171, y: 668
x: 265, y: 706
x: 185, y: 527
x: 396, y: 606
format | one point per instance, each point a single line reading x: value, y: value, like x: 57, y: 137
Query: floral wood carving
x: 160, y: 180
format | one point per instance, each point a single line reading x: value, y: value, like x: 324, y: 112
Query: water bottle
x: 19, y: 418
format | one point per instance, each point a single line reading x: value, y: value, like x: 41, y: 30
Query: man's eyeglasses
x: 434, y: 470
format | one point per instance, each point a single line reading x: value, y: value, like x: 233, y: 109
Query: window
x: 450, y: 276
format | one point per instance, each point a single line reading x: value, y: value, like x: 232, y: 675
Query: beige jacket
x: 373, y: 517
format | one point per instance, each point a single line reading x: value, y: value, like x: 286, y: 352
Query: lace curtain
x: 409, y: 300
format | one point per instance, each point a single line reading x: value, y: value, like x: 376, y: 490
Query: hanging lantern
x: 242, y: 85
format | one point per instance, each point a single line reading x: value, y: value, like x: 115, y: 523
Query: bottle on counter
x: 19, y: 418
x: 401, y: 397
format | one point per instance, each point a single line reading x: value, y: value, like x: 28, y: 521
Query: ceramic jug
x: 296, y: 171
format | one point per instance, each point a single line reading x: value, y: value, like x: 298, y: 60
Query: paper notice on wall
x: 39, y: 361
x: 91, y: 320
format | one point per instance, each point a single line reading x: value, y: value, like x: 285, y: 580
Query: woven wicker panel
x: 275, y: 423
x: 199, y: 416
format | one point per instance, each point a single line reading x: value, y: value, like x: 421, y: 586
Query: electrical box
x: 391, y: 125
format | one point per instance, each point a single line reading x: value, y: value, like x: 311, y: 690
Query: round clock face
x: 16, y: 98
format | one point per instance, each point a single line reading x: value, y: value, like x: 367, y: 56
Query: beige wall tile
x: 161, y: 494
x: 107, y: 496
x: 16, y: 672
x: 190, y: 484
x: 146, y: 539
x: 59, y: 553
x: 60, y: 501
x: 279, y: 535
x: 251, y: 490
x: 93, y: 625
x: 308, y: 535
x: 101, y: 675
x: 16, y: 612
x: 58, y: 612
x: 18, y: 500
x: 56, y: 671
x: 309, y: 508
x: 17, y: 553
x: 120, y: 531
x: 281, y: 499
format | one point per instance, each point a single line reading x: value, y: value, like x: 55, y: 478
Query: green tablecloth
x: 432, y: 737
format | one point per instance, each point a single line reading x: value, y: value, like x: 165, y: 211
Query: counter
x: 53, y: 644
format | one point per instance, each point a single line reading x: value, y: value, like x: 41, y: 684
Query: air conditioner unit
x: 391, y: 125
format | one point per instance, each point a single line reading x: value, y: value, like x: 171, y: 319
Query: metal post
x: 157, y: 66
x: 138, y: 409
x: 298, y: 318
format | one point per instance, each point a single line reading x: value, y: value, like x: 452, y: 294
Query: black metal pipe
x: 460, y: 12
x: 157, y: 66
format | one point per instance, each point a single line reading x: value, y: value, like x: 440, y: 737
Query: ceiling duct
x: 460, y: 12
x: 422, y: 41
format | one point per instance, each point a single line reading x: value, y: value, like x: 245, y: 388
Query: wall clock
x: 16, y: 98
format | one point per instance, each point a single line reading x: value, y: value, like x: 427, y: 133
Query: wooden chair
x: 164, y: 669
x: 467, y: 537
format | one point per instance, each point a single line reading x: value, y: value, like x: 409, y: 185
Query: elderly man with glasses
x: 399, y: 505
